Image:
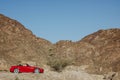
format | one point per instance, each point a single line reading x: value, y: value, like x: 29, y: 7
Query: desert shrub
x: 58, y: 63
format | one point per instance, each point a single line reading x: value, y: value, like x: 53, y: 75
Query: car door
x: 21, y: 68
x: 28, y: 68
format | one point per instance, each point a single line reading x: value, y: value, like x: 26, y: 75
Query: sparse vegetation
x: 58, y: 63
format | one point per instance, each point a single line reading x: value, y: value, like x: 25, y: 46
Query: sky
x: 56, y: 20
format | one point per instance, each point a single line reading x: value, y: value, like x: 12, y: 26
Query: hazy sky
x: 56, y: 20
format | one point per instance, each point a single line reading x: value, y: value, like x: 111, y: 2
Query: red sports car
x: 26, y: 68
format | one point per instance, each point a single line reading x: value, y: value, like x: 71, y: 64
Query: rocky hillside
x: 105, y: 45
x: 96, y: 53
x: 19, y: 45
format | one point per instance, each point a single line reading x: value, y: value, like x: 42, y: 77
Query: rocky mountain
x: 105, y: 45
x: 18, y: 44
x: 98, y: 52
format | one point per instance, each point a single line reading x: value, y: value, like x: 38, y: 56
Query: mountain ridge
x: 98, y: 51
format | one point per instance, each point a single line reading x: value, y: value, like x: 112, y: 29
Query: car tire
x: 36, y: 71
x: 16, y: 70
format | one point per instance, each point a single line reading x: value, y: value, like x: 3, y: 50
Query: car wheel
x: 36, y: 71
x: 16, y: 70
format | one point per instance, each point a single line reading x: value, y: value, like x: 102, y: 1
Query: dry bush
x: 58, y: 63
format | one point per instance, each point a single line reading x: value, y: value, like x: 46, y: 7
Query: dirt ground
x: 50, y: 75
